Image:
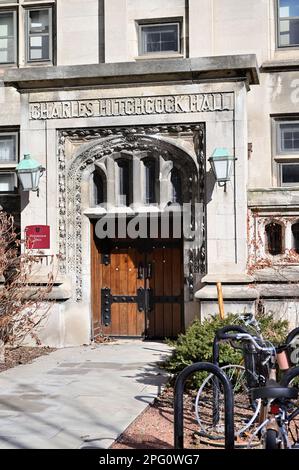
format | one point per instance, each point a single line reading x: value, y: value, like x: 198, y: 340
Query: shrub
x: 197, y: 343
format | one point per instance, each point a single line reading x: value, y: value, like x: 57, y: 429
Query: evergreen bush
x: 197, y: 343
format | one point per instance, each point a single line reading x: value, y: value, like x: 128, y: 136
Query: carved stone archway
x: 98, y: 143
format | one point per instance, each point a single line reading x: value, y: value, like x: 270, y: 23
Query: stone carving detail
x: 132, y: 106
x: 107, y: 141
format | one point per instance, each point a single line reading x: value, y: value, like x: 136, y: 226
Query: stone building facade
x: 124, y: 102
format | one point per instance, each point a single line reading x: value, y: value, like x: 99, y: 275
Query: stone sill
x: 273, y: 197
x: 239, y: 292
x: 228, y: 279
x: 279, y: 274
x: 280, y: 65
x: 230, y: 292
x: 159, y: 56
x: 232, y: 67
x: 61, y: 288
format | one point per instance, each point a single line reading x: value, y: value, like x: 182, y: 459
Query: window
x: 274, y: 238
x: 289, y: 137
x: 8, y: 38
x: 150, y: 181
x: 287, y: 152
x: 124, y: 182
x: 39, y: 35
x: 98, y: 188
x: 159, y: 38
x: 295, y: 232
x: 289, y: 174
x: 7, y: 182
x: 8, y: 148
x: 8, y: 161
x: 34, y: 41
x: 176, y: 186
x: 288, y: 23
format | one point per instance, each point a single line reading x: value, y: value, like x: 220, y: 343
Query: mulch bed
x: 153, y: 429
x: 22, y: 355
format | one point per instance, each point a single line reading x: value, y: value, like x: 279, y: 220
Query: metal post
x: 179, y: 405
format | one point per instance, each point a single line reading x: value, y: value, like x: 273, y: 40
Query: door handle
x: 140, y: 271
x: 149, y: 271
x: 148, y: 300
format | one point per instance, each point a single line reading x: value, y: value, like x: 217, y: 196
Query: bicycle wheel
x: 271, y: 440
x: 209, y: 404
x: 293, y: 415
x: 293, y: 344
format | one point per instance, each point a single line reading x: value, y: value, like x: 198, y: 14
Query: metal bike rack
x: 179, y: 404
x: 217, y: 339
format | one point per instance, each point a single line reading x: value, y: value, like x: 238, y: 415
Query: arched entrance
x: 138, y: 283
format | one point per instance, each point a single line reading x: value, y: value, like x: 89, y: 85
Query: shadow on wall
x: 210, y: 185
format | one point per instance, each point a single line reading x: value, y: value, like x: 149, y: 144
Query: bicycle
x: 258, y: 362
x: 259, y: 375
x: 279, y: 414
x: 292, y: 342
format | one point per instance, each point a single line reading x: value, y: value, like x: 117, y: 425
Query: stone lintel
x: 226, y: 68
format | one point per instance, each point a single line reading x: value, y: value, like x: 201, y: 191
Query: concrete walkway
x: 79, y: 397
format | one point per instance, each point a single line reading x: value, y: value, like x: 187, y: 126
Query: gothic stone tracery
x: 106, y: 142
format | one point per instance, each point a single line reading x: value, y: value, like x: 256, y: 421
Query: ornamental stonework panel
x: 106, y: 142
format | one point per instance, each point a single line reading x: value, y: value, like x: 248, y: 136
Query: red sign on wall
x: 37, y: 237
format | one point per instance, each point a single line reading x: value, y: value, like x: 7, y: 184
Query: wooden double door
x: 137, y: 288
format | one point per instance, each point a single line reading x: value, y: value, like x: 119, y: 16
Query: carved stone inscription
x: 105, y: 107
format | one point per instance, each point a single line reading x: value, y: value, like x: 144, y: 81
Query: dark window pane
x: 288, y: 8
x: 160, y: 38
x: 295, y: 231
x: 294, y: 32
x: 39, y: 35
x: 153, y: 47
x: 168, y: 46
x: 7, y: 38
x: 6, y: 24
x: 289, y: 32
x: 98, y: 188
x: 7, y: 182
x: 124, y: 179
x: 290, y: 137
x: 274, y: 239
x: 39, y: 48
x: 176, y: 186
x: 153, y: 37
x: 8, y: 151
x: 39, y: 21
x: 169, y: 36
x: 288, y: 144
x: 290, y: 173
x: 150, y: 181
